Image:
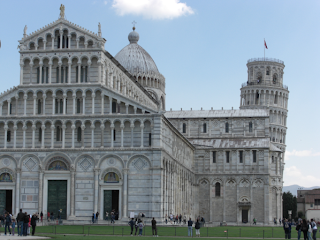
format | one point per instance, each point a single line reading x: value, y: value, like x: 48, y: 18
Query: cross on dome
x: 134, y: 25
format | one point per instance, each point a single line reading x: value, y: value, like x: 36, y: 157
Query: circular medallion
x: 111, y: 161
x: 6, y: 161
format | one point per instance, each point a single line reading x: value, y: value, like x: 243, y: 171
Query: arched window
x: 272, y: 159
x: 218, y: 189
x: 79, y: 131
x: 114, y: 134
x: 184, y: 128
x: 10, y: 108
x: 275, y: 78
x: 114, y: 107
x: 78, y: 105
x: 61, y: 106
x: 39, y: 106
x: 259, y: 77
x: 58, y: 135
x: 250, y: 126
x: 40, y: 134
x: 227, y: 127
x: 8, y: 136
x: 204, y: 127
x: 149, y: 139
x: 273, y: 139
x: 268, y: 71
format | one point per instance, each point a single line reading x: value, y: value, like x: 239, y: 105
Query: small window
x: 254, y: 156
x: 218, y: 190
x: 79, y: 132
x: 204, y: 127
x: 61, y: 106
x: 114, y: 134
x: 58, y: 135
x: 214, y: 157
x: 317, y: 202
x: 57, y: 106
x: 274, y: 80
x: 114, y: 107
x: 241, y: 156
x: 39, y: 106
x: 40, y: 134
x: 57, y: 74
x: 77, y: 73
x: 78, y: 106
x: 272, y: 159
x: 311, y: 205
x: 227, y: 157
x: 8, y: 136
x: 184, y: 128
x: 38, y: 75
x: 10, y: 108
x: 250, y: 126
x: 149, y: 139
x: 227, y: 127
x: 268, y: 71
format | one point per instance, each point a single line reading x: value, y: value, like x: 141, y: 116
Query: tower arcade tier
x: 265, y: 89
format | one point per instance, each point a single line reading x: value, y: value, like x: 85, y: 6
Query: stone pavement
x: 8, y: 237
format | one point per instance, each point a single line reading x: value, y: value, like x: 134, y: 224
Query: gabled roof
x: 65, y: 22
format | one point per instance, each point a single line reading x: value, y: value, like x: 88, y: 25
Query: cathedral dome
x: 135, y: 59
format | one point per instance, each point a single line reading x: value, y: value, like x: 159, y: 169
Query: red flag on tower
x: 265, y: 44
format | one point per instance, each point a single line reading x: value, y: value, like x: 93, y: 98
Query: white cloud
x: 303, y: 153
x: 154, y: 9
x: 105, y: 2
x: 293, y: 175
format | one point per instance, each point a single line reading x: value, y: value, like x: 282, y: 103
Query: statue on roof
x: 25, y: 31
x: 62, y: 8
x: 99, y: 29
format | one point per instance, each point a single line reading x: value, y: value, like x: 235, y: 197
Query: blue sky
x: 201, y: 47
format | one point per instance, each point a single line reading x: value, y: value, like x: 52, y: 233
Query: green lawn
x: 227, y: 231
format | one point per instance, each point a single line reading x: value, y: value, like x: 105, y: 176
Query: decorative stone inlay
x: 30, y: 164
x: 231, y: 183
x: 244, y: 183
x: 6, y: 162
x: 258, y: 183
x: 139, y: 164
x: 85, y: 164
x: 111, y: 162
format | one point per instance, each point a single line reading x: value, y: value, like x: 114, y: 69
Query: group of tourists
x: 23, y: 221
x: 307, y: 227
x: 179, y: 219
x: 95, y: 217
x: 113, y: 216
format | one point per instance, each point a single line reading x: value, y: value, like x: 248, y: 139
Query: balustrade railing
x: 264, y: 83
x: 265, y: 60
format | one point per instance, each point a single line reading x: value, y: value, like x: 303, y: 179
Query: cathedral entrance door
x: 5, y: 201
x: 244, y: 215
x: 111, y: 202
x: 57, y: 197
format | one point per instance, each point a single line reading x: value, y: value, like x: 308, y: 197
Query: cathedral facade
x: 88, y: 132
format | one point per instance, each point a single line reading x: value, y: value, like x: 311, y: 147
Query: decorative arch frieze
x: 58, y: 163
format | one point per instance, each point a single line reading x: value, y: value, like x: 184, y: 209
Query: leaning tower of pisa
x: 265, y: 89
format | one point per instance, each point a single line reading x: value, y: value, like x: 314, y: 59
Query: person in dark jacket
x: 25, y: 224
x: 8, y: 223
x: 20, y: 218
x: 34, y: 219
x: 154, y: 228
x: 131, y: 224
x: 190, y: 228
x: 287, y: 229
x: 41, y: 215
x: 304, y: 229
x: 298, y: 228
x: 197, y: 227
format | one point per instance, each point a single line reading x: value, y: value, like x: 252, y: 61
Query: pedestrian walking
x: 140, y: 228
x: 254, y: 221
x: 7, y: 224
x: 13, y: 225
x: 314, y: 229
x: 34, y: 219
x: 154, y: 228
x: 309, y: 230
x: 20, y: 218
x: 97, y: 216
x: 287, y: 229
x: 166, y: 218
x: 131, y: 224
x: 93, y: 217
x: 298, y: 229
x: 41, y: 215
x: 25, y: 224
x: 190, y: 228
x: 112, y: 218
x: 304, y: 229
x: 197, y: 227
x: 107, y: 216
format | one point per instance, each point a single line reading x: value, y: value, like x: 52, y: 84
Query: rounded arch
x: 7, y: 175
x: 109, y: 170
x: 217, y: 180
x: 51, y: 156
x: 138, y: 156
x: 81, y: 157
x: 110, y: 156
x: 200, y: 180
x: 3, y: 156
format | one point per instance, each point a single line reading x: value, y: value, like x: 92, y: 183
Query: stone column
x: 40, y: 72
x: 64, y: 104
x: 112, y: 132
x: 53, y: 104
x: 34, y: 104
x: 102, y: 135
x: 122, y: 127
x: 33, y: 135
x: 93, y: 97
x: 25, y: 104
x: 21, y: 73
x: 132, y: 127
x: 73, y: 104
x: 61, y: 35
x: 18, y: 171
x: 44, y: 44
x: 96, y: 189
x: 79, y: 72
x: 40, y: 190
x: 9, y: 104
x: 102, y: 103
x: 83, y: 127
x: 72, y: 194
x: 60, y: 80
x: 92, y: 135
x: 77, y: 40
x: 69, y: 70
x: 63, y: 135
x: 31, y: 65
x: 52, y: 135
x: 1, y: 108
x: 83, y: 104
x: 73, y: 127
x: 69, y: 41
x: 135, y: 109
x: 110, y: 105
x: 24, y: 128
x: 50, y: 72
x: 15, y: 136
x: 43, y: 127
x: 127, y: 108
x: 125, y: 192
x: 141, y: 127
x: 99, y: 71
x: 52, y: 43
x: 44, y: 104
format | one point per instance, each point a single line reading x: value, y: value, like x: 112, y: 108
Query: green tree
x: 289, y: 203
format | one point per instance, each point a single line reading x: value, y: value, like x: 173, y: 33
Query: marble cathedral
x: 86, y: 131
